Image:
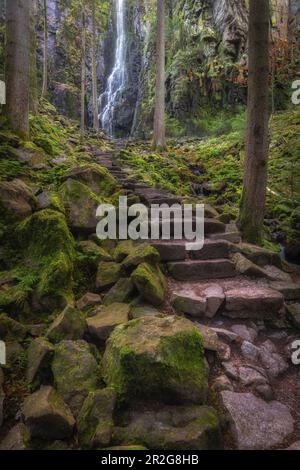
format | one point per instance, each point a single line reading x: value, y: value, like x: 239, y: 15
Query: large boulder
x: 256, y: 424
x: 95, y: 420
x: 17, y: 200
x: 150, y: 283
x: 80, y: 204
x: 75, y: 372
x: 105, y: 321
x: 70, y: 324
x: 93, y: 252
x: 39, y: 356
x: 47, y: 416
x: 95, y: 177
x: 139, y: 254
x: 173, y: 428
x: 159, y: 357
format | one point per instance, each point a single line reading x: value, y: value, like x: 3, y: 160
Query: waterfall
x: 116, y: 80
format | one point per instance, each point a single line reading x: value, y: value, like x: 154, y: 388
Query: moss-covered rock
x: 160, y: 357
x: 46, y: 253
x: 150, y: 282
x: 107, y: 318
x: 108, y: 274
x: 70, y: 324
x: 97, y: 178
x: 122, y: 250
x: 11, y: 329
x: 139, y: 254
x: 80, y: 204
x: 95, y: 420
x: 75, y: 372
x: 39, y: 356
x: 122, y: 291
x: 294, y: 314
x: 92, y: 253
x: 17, y: 201
x: 180, y: 428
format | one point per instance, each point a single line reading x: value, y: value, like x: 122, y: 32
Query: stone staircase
x: 242, y: 318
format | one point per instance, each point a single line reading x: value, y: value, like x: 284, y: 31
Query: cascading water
x: 116, y: 80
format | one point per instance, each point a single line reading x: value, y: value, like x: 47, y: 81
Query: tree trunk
x: 257, y: 145
x: 94, y: 69
x: 33, y: 86
x: 159, y: 139
x: 83, y: 57
x: 18, y: 64
x: 45, y: 62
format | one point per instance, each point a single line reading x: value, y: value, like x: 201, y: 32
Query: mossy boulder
x: 161, y: 357
x: 95, y: 420
x: 122, y: 250
x: 150, y: 283
x: 39, y: 356
x: 80, y: 204
x: 180, y: 428
x: 139, y: 254
x: 93, y: 252
x: 294, y: 314
x: 122, y: 291
x: 259, y: 255
x: 97, y: 178
x: 75, y: 372
x: 17, y: 200
x: 108, y: 274
x: 47, y: 416
x: 70, y: 324
x: 46, y: 249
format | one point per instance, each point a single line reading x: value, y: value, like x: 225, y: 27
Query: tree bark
x: 17, y: 74
x: 83, y: 72
x: 94, y: 69
x: 257, y: 145
x: 159, y: 139
x: 45, y: 61
x: 33, y: 85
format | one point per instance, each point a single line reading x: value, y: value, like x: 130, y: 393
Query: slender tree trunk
x: 256, y: 160
x: 94, y: 69
x: 33, y: 87
x: 83, y: 73
x: 45, y: 62
x: 159, y: 139
x: 17, y: 74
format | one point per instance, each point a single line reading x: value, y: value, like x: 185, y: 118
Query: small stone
x: 250, y: 351
x: 256, y: 424
x: 245, y: 332
x: 70, y: 324
x: 251, y: 377
x: 108, y: 317
x: 88, y: 300
x: 17, y: 438
x: 231, y: 370
x: 274, y: 363
x: 224, y: 352
x: 47, y: 416
x: 227, y: 335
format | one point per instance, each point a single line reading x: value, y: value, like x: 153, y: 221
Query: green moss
x: 150, y: 282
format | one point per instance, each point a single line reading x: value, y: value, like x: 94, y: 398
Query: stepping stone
x: 253, y: 302
x: 196, y: 270
x: 256, y: 424
x: 170, y: 250
x: 212, y: 250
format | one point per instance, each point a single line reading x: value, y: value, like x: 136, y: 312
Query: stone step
x: 255, y: 303
x: 194, y: 270
x: 170, y: 250
x: 212, y: 250
x: 232, y: 237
